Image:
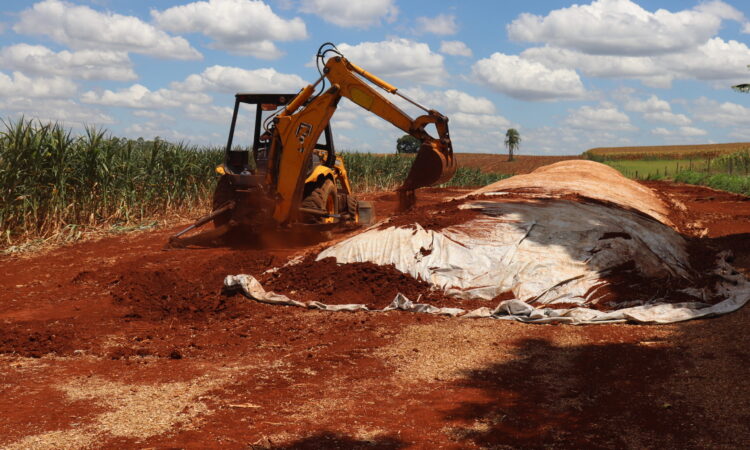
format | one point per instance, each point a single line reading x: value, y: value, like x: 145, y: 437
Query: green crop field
x: 54, y: 183
x: 721, y: 166
x: 377, y: 172
x: 659, y: 152
x: 657, y: 168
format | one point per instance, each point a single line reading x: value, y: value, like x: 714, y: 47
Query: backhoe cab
x: 247, y: 178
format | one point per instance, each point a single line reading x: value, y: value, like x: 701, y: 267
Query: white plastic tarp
x: 544, y: 247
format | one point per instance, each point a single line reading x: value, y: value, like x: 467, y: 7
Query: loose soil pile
x: 435, y: 217
x: 368, y: 284
x: 337, y: 284
x: 158, y: 293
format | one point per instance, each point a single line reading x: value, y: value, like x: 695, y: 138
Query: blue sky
x: 568, y: 76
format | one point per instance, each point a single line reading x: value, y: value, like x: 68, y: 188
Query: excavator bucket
x: 434, y: 164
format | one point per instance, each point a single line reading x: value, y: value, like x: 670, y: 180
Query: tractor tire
x: 223, y: 193
x: 352, y: 208
x: 323, y: 198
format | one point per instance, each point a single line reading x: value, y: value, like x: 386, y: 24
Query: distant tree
x: 745, y: 87
x: 512, y: 141
x: 408, y: 144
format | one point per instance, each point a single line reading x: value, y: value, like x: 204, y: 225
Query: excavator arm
x: 246, y: 197
x: 298, y: 127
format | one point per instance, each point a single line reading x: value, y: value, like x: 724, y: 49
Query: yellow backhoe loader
x: 295, y: 179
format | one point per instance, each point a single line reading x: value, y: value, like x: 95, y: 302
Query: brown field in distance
x: 498, y: 162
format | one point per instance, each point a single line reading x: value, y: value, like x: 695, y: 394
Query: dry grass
x: 53, y: 440
x: 142, y: 411
x: 446, y: 350
x: 134, y: 411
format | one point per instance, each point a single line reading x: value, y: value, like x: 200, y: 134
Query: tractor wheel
x: 323, y: 198
x: 222, y: 194
x: 352, y: 207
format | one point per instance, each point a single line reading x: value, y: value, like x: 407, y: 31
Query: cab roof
x: 255, y: 99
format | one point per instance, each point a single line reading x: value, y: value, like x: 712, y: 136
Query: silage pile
x: 571, y: 242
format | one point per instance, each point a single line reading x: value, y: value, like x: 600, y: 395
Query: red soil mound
x: 31, y: 340
x: 185, y: 291
x: 329, y: 282
x: 435, y: 217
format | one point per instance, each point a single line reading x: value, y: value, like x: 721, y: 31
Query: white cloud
x: 139, y: 96
x: 209, y: 113
x: 340, y: 124
x: 451, y: 100
x: 189, y: 97
x: 22, y: 86
x: 442, y: 24
x: 351, y: 14
x: 715, y: 60
x: 83, y: 64
x: 154, y: 115
x: 722, y: 114
x: 621, y: 27
x: 474, y: 123
x: 680, y: 132
x: 233, y: 79
x: 151, y: 130
x: 398, y: 58
x: 64, y: 111
x: 487, y: 122
x: 379, y: 123
x: 655, y: 109
x: 721, y: 10
x: 740, y: 134
x: 455, y: 48
x: 606, y: 117
x: 651, y: 104
x: 81, y: 27
x: 550, y: 140
x: 668, y: 117
x: 527, y: 80
x: 239, y: 26
x: 563, y: 140
x: 645, y: 69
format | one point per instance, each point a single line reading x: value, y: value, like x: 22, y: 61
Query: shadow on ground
x: 331, y: 440
x: 686, y: 390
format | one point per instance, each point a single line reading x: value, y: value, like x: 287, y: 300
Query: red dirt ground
x: 118, y: 343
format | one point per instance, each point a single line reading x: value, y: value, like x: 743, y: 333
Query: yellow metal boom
x: 299, y: 126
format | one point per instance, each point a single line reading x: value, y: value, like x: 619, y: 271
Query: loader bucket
x: 434, y: 164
